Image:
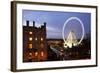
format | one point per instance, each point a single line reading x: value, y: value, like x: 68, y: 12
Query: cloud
x: 53, y: 32
x: 51, y: 28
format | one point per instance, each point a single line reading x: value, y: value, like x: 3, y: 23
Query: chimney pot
x: 27, y: 23
x: 45, y: 24
x: 33, y: 23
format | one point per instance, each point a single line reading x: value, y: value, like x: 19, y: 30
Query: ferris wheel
x: 71, y: 38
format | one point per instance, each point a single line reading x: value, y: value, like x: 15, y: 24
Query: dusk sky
x: 55, y: 21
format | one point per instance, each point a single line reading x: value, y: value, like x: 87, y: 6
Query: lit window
x: 41, y: 39
x: 42, y: 53
x: 30, y: 38
x: 36, y: 38
x: 30, y: 54
x: 42, y: 45
x: 30, y: 46
x: 30, y: 32
x: 36, y: 53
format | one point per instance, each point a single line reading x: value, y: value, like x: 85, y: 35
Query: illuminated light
x: 83, y: 31
x: 30, y: 38
x: 36, y: 38
x: 71, y: 40
x: 42, y: 53
x: 41, y: 39
x: 30, y: 54
x: 30, y: 46
x: 30, y: 32
x: 65, y: 44
x: 36, y: 53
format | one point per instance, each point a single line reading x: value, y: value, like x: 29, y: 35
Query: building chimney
x: 33, y: 23
x: 45, y: 24
x: 27, y: 23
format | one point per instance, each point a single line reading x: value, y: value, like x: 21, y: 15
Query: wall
x: 5, y: 37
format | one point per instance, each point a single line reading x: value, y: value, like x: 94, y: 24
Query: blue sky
x: 55, y: 21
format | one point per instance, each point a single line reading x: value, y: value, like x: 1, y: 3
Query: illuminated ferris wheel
x: 75, y: 32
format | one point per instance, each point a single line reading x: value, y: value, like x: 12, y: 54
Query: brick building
x: 34, y: 43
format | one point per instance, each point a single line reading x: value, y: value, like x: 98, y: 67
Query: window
x: 30, y: 46
x: 30, y: 38
x: 41, y: 39
x: 36, y: 53
x: 42, y: 53
x: 30, y: 54
x: 36, y: 38
x: 30, y: 32
x: 42, y: 46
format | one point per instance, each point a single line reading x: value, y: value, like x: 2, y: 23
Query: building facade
x: 34, y: 43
